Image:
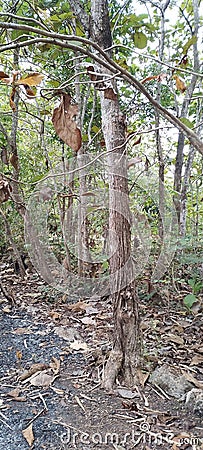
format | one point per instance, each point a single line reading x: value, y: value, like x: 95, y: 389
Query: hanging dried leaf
x: 91, y: 73
x: 109, y: 93
x: 14, y: 161
x: 3, y: 75
x: 29, y: 92
x: 159, y: 78
x: 4, y: 156
x: 33, y: 79
x: 5, y: 190
x: 28, y: 435
x: 180, y: 85
x: 12, y: 97
x: 65, y: 125
x: 5, y: 78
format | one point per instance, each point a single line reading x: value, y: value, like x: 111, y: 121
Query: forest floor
x: 52, y: 355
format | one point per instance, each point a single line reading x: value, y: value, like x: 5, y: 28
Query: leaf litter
x: 51, y: 396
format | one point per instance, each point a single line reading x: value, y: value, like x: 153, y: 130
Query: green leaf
x: 140, y: 40
x: 142, y: 16
x: 186, y: 122
x: 95, y: 129
x: 189, y: 300
x: 189, y: 43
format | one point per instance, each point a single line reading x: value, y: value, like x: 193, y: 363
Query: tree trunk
x: 124, y: 357
x: 184, y: 113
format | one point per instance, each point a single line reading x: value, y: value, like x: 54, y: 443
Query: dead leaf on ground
x: 189, y: 377
x: 28, y: 435
x: 21, y: 331
x: 88, y: 321
x: 78, y: 307
x: 196, y: 360
x: 143, y: 377
x: 174, y: 338
x: 15, y: 395
x: 55, y: 365
x: 58, y: 391
x: 32, y: 370
x: 127, y: 393
x: 7, y: 309
x: 41, y: 379
x: 64, y: 123
x: 55, y: 315
x: 77, y: 345
x: 69, y: 334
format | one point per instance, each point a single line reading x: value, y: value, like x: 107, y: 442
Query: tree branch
x: 105, y: 61
x: 25, y: 19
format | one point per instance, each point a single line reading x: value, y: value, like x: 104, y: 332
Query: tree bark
x: 124, y: 357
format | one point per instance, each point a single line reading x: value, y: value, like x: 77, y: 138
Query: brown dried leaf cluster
x: 5, y: 190
x: 64, y: 123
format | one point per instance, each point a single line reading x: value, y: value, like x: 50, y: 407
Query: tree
x: 98, y: 47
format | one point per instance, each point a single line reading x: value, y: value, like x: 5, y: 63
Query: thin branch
x: 25, y: 19
x: 106, y: 61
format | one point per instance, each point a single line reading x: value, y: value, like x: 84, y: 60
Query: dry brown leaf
x: 142, y: 376
x: 127, y: 393
x: 78, y: 307
x: 4, y: 156
x: 65, y: 125
x: 174, y: 338
x: 110, y: 94
x: 180, y: 85
x: 55, y: 365
x: 33, y: 79
x: 58, y: 391
x: 91, y: 73
x: 14, y: 161
x: 76, y: 345
x: 41, y: 379
x: 33, y: 369
x: 54, y: 315
x: 196, y: 360
x: 14, y: 393
x: 5, y: 78
x: 19, y: 354
x: 7, y: 309
x: 189, y: 377
x: 159, y: 77
x: 11, y: 100
x: 21, y: 331
x: 28, y: 435
x: 29, y: 92
x: 5, y: 190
